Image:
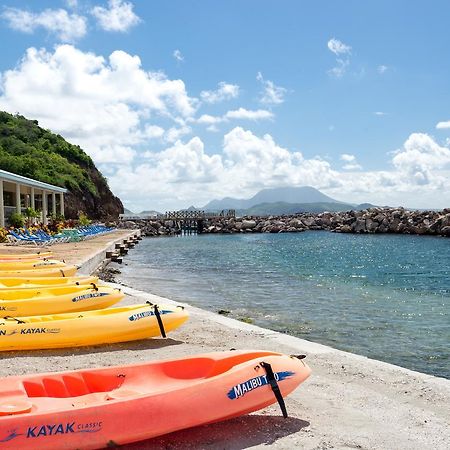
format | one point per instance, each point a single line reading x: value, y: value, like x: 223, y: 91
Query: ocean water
x: 383, y: 296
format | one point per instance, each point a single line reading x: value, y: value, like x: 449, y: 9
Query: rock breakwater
x: 373, y: 220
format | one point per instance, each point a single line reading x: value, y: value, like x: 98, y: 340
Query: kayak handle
x: 14, y: 318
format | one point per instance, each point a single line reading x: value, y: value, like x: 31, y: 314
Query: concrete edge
x: 94, y: 261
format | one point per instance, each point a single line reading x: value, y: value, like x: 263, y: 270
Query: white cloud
x: 348, y: 158
x: 420, y: 178
x: 225, y: 91
x: 242, y: 113
x: 443, y: 125
x: 382, y: 69
x: 338, y: 47
x: 339, y: 70
x: 100, y: 104
x: 213, y: 128
x: 209, y: 120
x: 271, y: 93
x: 351, y: 163
x: 153, y: 132
x: 178, y: 55
x: 186, y: 173
x: 237, y: 114
x: 175, y: 133
x: 67, y: 27
x: 380, y: 113
x: 419, y: 156
x: 342, y: 52
x: 115, y: 154
x: 118, y: 16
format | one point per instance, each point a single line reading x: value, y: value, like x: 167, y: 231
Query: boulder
x: 359, y: 226
x: 248, y: 224
x: 371, y: 225
x: 295, y: 223
x: 308, y: 221
x: 445, y: 231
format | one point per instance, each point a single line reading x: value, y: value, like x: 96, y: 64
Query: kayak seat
x: 119, y: 394
x: 15, y: 406
x: 64, y: 386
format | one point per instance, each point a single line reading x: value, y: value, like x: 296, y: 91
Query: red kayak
x: 89, y: 409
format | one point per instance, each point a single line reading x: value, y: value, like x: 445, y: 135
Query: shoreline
x: 350, y: 401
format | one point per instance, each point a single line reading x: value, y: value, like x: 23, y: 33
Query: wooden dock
x: 193, y: 222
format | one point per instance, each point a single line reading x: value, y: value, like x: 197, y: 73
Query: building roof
x: 8, y: 176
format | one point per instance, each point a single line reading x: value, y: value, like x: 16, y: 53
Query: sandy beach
x: 349, y: 401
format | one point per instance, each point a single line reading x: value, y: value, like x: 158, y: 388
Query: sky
x: 181, y: 102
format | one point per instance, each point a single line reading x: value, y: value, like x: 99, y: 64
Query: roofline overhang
x: 8, y: 176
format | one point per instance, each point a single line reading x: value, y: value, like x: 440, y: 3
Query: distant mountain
x: 280, y: 208
x: 149, y: 213
x: 296, y: 195
x: 127, y: 212
x: 286, y: 200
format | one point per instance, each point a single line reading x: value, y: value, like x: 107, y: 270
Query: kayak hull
x: 24, y: 256
x: 86, y: 300
x: 66, y: 271
x: 92, y: 409
x: 44, y: 291
x: 7, y: 283
x: 107, y: 326
x: 31, y: 264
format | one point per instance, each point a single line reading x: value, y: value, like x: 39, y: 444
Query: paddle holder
x: 275, y: 388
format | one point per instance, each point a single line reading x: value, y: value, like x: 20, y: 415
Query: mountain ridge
x: 292, y: 195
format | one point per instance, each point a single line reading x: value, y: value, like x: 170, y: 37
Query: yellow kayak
x: 45, y: 291
x: 84, y: 300
x: 128, y: 323
x: 36, y: 282
x: 66, y: 271
x: 31, y: 265
x: 25, y: 256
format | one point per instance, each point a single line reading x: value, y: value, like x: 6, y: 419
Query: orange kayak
x: 96, y: 408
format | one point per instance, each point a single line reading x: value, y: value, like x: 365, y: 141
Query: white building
x: 18, y: 193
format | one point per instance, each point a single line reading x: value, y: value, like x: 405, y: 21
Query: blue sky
x: 181, y: 102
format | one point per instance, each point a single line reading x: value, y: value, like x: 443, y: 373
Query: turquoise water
x: 383, y: 296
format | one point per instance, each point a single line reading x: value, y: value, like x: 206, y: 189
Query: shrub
x: 30, y: 214
x: 3, y: 234
x: 17, y: 220
x: 83, y: 219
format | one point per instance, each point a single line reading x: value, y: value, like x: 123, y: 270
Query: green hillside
x: 31, y: 151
